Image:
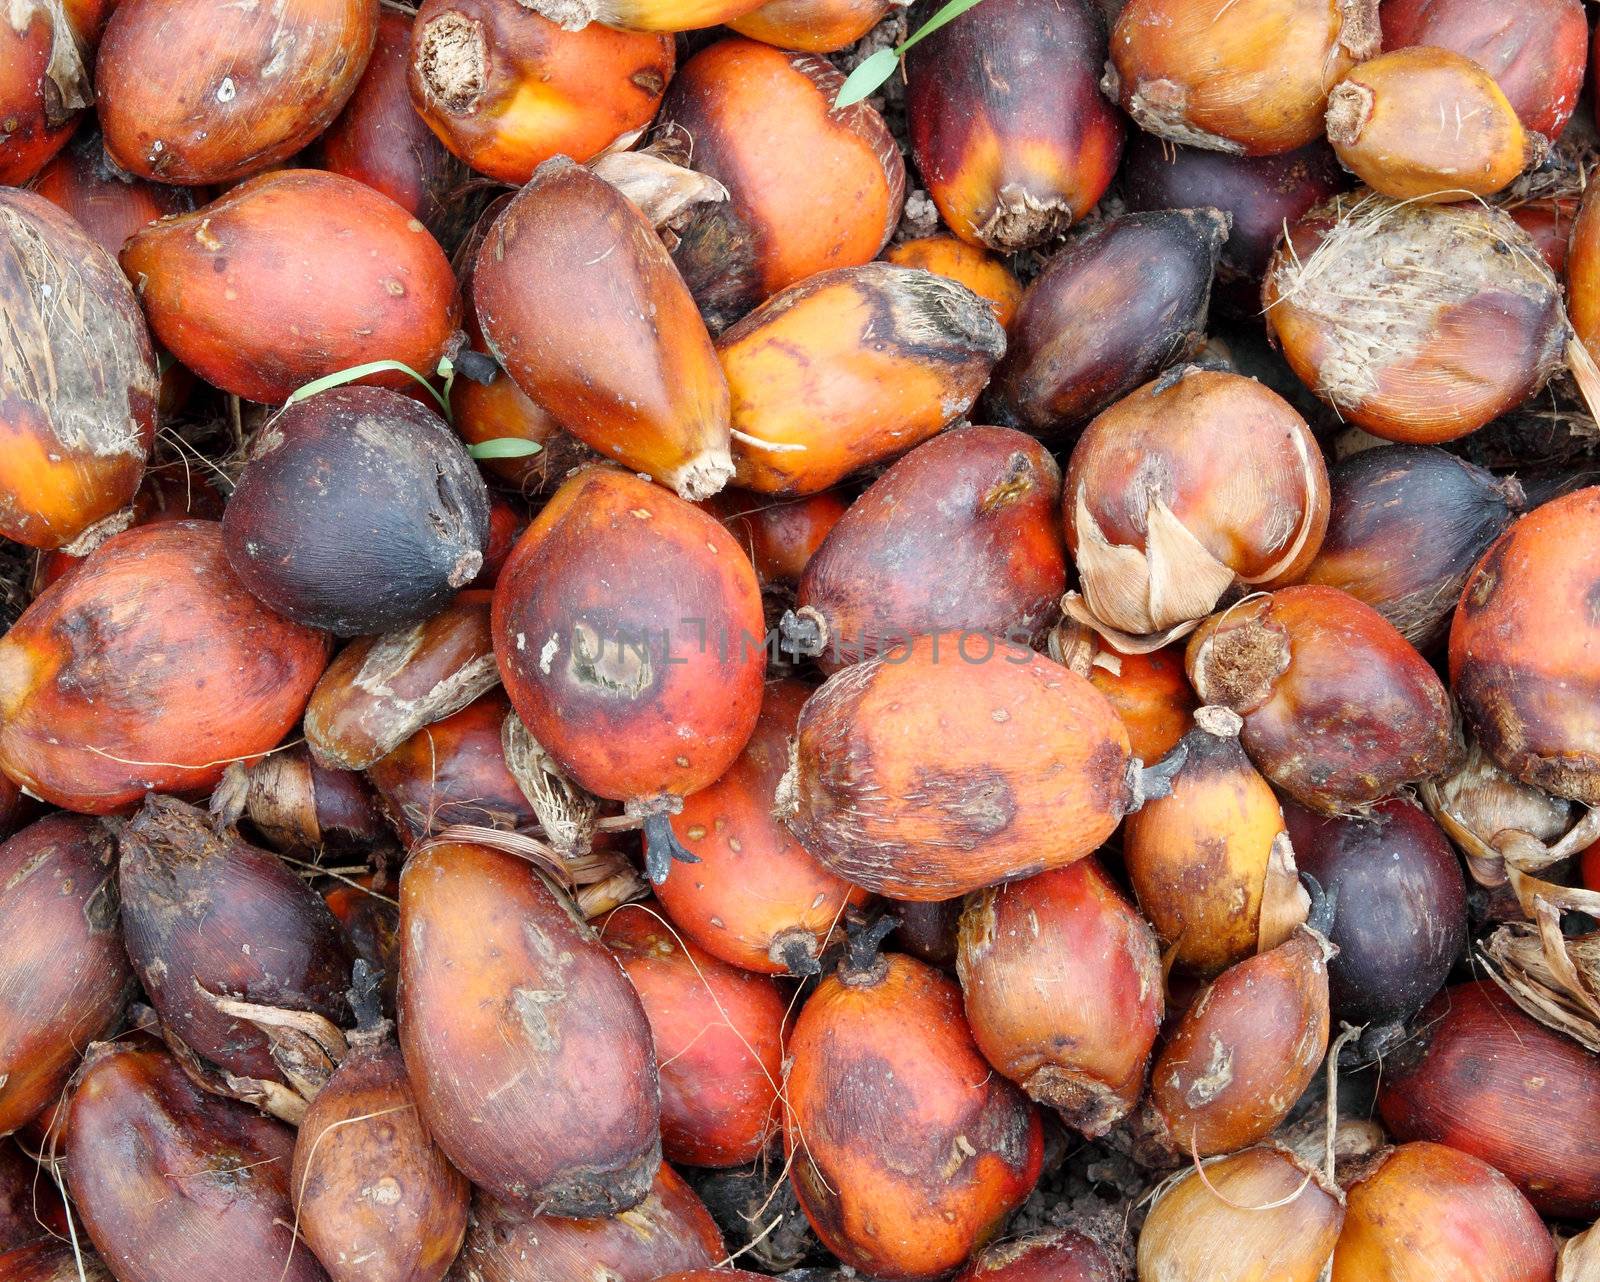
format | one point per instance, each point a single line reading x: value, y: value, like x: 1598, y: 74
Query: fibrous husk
x: 566, y: 812
x: 1077, y: 646
x: 1579, y: 1260
x: 1284, y: 901
x: 1553, y: 978
x: 597, y: 881
x: 658, y: 180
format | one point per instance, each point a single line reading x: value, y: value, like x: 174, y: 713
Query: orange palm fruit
x: 78, y: 415
x: 106, y: 203
x: 44, y: 81
x: 364, y: 281
x: 188, y: 672
x: 506, y: 89
x: 907, y: 1151
x: 527, y: 1048
x: 952, y: 763
x: 643, y: 687
x: 980, y: 271
x: 811, y: 26
x: 1150, y: 692
x: 779, y: 535
x: 849, y: 368
x: 258, y: 83
x: 642, y: 15
x: 628, y: 369
x: 810, y: 186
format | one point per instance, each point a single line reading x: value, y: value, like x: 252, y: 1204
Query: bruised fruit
x: 643, y: 687
x: 187, y: 672
x: 78, y: 381
x: 963, y: 533
x: 63, y: 974
x: 362, y: 279
x: 526, y: 1047
x: 954, y: 762
x: 849, y: 368
x: 907, y: 1151
x: 755, y: 897
x: 506, y: 89
x: 607, y: 340
x: 1063, y: 989
x: 258, y: 83
x: 172, y: 1183
x: 810, y: 186
x: 980, y: 271
x: 1006, y: 120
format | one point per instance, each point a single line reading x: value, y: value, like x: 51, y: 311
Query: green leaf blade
x: 340, y: 377
x: 865, y: 79
x: 504, y: 447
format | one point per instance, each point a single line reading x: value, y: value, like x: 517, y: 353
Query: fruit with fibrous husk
x: 984, y: 273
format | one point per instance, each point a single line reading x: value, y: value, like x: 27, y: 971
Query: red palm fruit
x: 453, y: 772
x: 810, y: 186
x: 1485, y: 1078
x: 526, y: 1046
x: 1063, y: 989
x: 1060, y: 1256
x: 671, y: 1229
x: 980, y: 271
x: 756, y: 898
x: 907, y: 1151
x: 629, y: 369
x: 962, y: 533
x: 780, y: 536
x: 718, y: 1034
x: 241, y: 959
x: 380, y: 140
x: 367, y: 283
x: 507, y: 521
x: 78, y: 410
x: 1152, y: 695
x: 953, y: 763
x: 258, y: 84
x: 369, y: 919
x: 1523, y: 661
x: 63, y: 974
x: 172, y: 1183
x: 1245, y: 1050
x: 108, y: 204
x: 643, y: 687
x: 1428, y: 1212
x: 17, y: 808
x: 373, y: 1195
x: 1339, y: 710
x: 1535, y: 51
x: 44, y: 82
x: 506, y: 89
x: 53, y: 1259
x: 296, y: 804
x: 1549, y: 222
x: 187, y: 671
x: 1007, y: 123
x: 29, y: 1204
x: 812, y: 26
x: 929, y: 931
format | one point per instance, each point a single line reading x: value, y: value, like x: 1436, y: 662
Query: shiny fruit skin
x: 1152, y: 696
x: 63, y: 974
x: 1062, y: 987
x: 962, y: 533
x: 1251, y: 1217
x: 187, y: 672
x: 718, y: 1035
x: 780, y: 536
x: 757, y: 898
x: 1549, y: 223
x: 380, y: 140
x: 29, y: 1204
x: 1339, y: 710
x: 670, y: 1230
x: 1391, y: 121
x: 1484, y: 1078
x: 140, y: 1129
x: 452, y: 771
x: 506, y: 89
x: 1060, y: 1256
x: 811, y: 26
x: 628, y: 369
x: 52, y: 1259
x: 204, y: 913
x: 953, y: 763
x: 907, y: 1151
x: 1406, y: 526
x: 1431, y: 1212
x: 1583, y: 273
x: 1006, y: 121
x: 1246, y: 1049
x: 983, y: 273
x: 371, y: 285
x: 1523, y: 657
x: 297, y: 805
x: 258, y: 84
x: 1251, y: 79
x: 811, y: 187
x: 374, y: 1197
x: 638, y: 684
x: 1081, y: 341
x: 527, y: 1049
x: 1402, y: 920
x: 109, y: 206
x: 78, y: 383
x: 1536, y: 51
x: 849, y: 368
x: 44, y: 85
x: 358, y: 510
